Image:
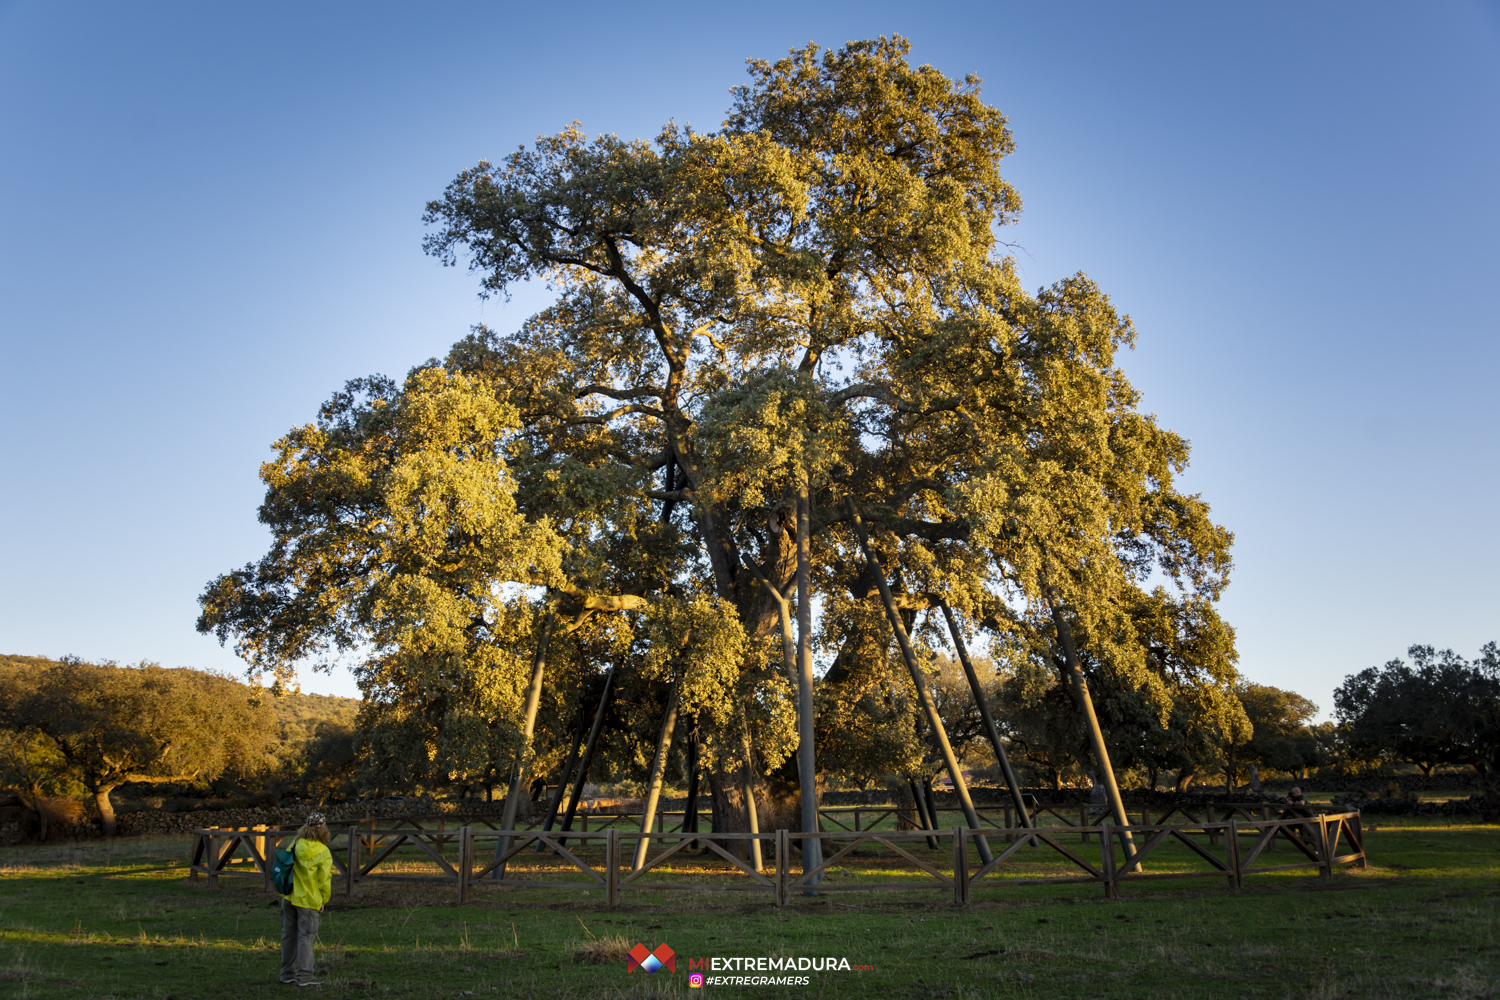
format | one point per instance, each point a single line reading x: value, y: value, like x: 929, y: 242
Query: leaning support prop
x: 990, y: 729
x: 920, y: 683
x: 658, y: 769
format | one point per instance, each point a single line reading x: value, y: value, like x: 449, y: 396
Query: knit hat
x: 316, y: 819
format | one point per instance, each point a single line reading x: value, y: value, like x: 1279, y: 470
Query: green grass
x: 1423, y: 920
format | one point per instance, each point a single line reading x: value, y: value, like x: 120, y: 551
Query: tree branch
x: 606, y: 390
x: 593, y: 602
x: 618, y: 411
x: 687, y: 494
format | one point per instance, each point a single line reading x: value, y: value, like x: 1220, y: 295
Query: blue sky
x: 210, y: 219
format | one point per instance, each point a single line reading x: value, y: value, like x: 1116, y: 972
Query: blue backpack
x: 281, y: 870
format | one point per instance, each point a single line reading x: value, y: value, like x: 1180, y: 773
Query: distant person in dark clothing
x: 1295, y: 798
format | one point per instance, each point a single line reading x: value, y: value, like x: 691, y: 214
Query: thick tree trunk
x: 752, y: 818
x: 658, y: 770
x: 523, y: 761
x: 106, y: 809
x: 990, y: 729
x: 690, y: 813
x: 756, y: 611
x: 726, y: 802
x: 919, y: 681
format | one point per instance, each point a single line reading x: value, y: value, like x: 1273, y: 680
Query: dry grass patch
x: 602, y: 951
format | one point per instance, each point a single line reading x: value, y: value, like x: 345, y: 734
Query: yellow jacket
x: 312, y: 875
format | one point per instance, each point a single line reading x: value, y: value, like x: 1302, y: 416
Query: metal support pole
x: 928, y: 822
x: 658, y: 769
x: 919, y: 681
x: 990, y: 729
x: 812, y: 849
x: 588, y: 754
x: 1096, y: 734
x: 562, y: 778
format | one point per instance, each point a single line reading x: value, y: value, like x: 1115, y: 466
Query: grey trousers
x: 299, y: 926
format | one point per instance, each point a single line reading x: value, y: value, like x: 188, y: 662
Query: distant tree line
x: 1439, y: 709
x: 74, y: 729
x: 81, y: 730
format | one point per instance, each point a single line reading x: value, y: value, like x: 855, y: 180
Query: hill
x: 299, y: 713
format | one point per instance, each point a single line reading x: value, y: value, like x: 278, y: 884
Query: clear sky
x: 210, y: 219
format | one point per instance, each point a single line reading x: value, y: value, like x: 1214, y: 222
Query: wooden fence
x: 1230, y: 849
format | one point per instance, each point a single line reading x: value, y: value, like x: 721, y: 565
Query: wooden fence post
x: 612, y: 868
x: 960, y: 867
x: 268, y: 858
x: 1083, y: 820
x: 1213, y: 835
x: 465, y: 862
x: 351, y: 860
x: 1236, y: 879
x: 1010, y: 838
x: 1325, y: 869
x: 1107, y: 861
x: 783, y: 867
x: 1359, y: 836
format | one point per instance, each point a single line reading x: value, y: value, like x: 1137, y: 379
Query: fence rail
x: 1232, y: 850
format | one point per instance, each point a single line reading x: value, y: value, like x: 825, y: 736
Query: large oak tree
x: 808, y: 305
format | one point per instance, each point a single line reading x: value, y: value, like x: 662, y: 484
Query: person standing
x: 312, y: 885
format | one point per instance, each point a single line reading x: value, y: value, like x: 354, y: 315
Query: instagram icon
x: 696, y: 980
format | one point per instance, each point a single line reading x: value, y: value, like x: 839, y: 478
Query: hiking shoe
x: 309, y: 982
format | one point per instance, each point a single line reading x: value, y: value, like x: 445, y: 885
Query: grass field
x: 1423, y: 920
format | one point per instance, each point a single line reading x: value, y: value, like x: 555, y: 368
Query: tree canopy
x: 1439, y: 709
x: 104, y: 726
x: 811, y: 300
